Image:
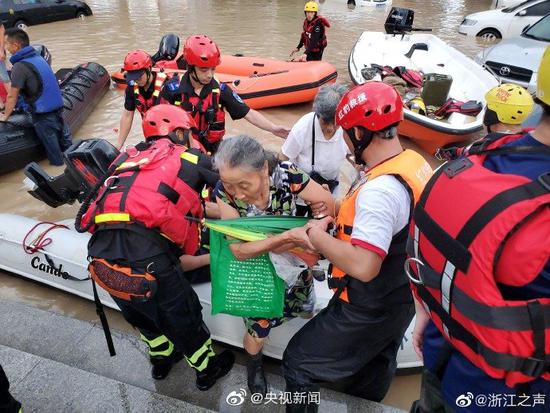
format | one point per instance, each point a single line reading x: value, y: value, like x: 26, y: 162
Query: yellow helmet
x: 417, y: 105
x: 311, y: 6
x: 510, y: 103
x: 543, y: 78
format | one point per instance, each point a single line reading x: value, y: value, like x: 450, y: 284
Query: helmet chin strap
x: 149, y: 76
x: 360, y: 144
x: 196, y: 78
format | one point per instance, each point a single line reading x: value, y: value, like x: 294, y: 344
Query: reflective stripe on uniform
x: 190, y: 157
x: 126, y: 165
x: 159, y: 346
x: 159, y: 81
x: 109, y: 217
x: 200, y: 358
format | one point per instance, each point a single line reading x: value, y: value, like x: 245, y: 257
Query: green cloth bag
x: 249, y: 288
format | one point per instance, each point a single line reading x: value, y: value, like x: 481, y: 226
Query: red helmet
x: 137, y: 60
x: 200, y: 50
x: 163, y: 119
x: 373, y: 105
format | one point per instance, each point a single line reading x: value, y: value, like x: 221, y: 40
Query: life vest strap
x: 529, y: 366
x: 509, y: 318
x: 170, y: 193
x: 449, y: 247
x: 499, y: 203
x: 338, y: 283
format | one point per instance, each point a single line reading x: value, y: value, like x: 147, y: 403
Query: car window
x: 540, y: 30
x: 538, y: 9
x: 516, y: 8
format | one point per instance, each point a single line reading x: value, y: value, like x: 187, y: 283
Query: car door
x: 61, y: 9
x: 29, y: 11
x: 528, y: 16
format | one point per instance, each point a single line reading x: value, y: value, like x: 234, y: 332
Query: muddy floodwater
x: 254, y: 28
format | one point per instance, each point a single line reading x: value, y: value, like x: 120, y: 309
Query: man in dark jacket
x: 34, y: 80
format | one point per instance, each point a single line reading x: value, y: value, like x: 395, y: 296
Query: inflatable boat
x: 81, y: 87
x: 428, y: 54
x: 264, y: 83
x: 61, y: 263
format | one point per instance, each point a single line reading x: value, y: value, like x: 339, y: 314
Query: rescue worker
x: 33, y: 78
x: 200, y: 94
x: 313, y: 37
x: 146, y: 239
x: 508, y: 106
x: 481, y: 243
x: 143, y: 90
x: 354, y: 340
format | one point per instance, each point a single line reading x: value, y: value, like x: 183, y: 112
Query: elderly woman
x: 315, y: 144
x: 253, y: 182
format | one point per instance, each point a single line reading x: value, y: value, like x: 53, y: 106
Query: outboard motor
x: 400, y: 21
x: 87, y: 163
x: 44, y: 52
x: 168, y: 48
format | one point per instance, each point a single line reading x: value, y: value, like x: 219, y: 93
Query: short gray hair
x: 327, y: 99
x: 245, y: 152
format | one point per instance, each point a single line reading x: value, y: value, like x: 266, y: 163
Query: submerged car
x: 499, y: 4
x: 23, y: 13
x: 504, y: 23
x: 517, y: 60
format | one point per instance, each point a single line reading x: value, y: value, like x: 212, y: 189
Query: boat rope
x: 40, y: 241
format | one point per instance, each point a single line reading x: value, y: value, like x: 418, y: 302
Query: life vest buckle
x: 452, y: 169
x: 410, y: 274
x: 534, y: 367
x: 112, y: 177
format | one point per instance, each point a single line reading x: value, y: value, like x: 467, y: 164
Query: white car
x: 499, y: 4
x: 517, y: 60
x: 504, y: 23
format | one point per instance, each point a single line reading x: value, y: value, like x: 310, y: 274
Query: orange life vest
x: 413, y: 172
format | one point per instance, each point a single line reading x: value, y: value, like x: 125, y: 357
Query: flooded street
x: 250, y: 27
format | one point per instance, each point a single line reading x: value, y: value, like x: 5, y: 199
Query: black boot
x: 218, y: 366
x: 162, y: 365
x: 257, y: 382
x: 308, y: 405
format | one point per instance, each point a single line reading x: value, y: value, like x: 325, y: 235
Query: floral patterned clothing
x: 286, y: 183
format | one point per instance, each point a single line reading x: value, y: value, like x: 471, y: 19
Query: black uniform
x: 173, y: 315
